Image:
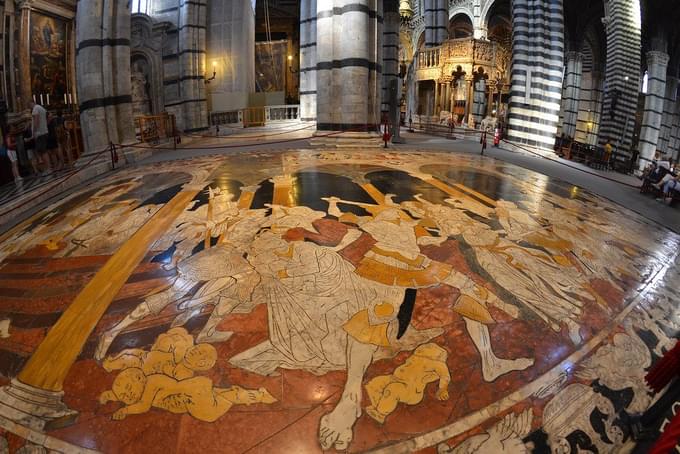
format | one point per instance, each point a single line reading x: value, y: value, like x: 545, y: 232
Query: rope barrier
x: 479, y: 133
x: 58, y: 181
x: 571, y: 166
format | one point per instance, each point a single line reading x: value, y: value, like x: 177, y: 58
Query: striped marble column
x: 308, y: 60
x: 572, y: 92
x: 436, y: 22
x: 390, y: 50
x: 674, y: 139
x: 622, y: 74
x: 657, y: 64
x: 480, y: 98
x: 347, y: 69
x: 192, y: 64
x: 589, y: 107
x: 430, y: 22
x: 103, y: 70
x: 537, y: 68
x: 669, y: 111
x: 442, y: 14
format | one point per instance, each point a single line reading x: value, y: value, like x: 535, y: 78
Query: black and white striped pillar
x: 572, y: 92
x: 657, y: 64
x: 436, y: 22
x: 622, y: 74
x: 308, y: 60
x: 480, y: 98
x: 669, y: 112
x: 537, y: 69
x: 390, y: 51
x: 192, y: 64
x: 347, y: 69
x: 103, y: 70
x: 589, y: 107
x: 674, y: 138
x: 442, y: 31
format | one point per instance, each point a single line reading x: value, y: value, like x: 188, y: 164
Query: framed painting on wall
x: 49, y: 74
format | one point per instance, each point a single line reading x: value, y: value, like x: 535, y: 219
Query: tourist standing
x: 40, y: 135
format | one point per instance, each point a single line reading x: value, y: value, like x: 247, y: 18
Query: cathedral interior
x: 364, y: 226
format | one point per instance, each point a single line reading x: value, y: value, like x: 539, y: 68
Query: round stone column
x: 572, y: 92
x: 537, y: 70
x: 442, y: 14
x: 622, y: 74
x: 669, y: 111
x: 103, y: 70
x: 192, y: 64
x: 430, y: 22
x: 657, y: 64
x: 347, y: 94
x: 390, y: 50
x: 24, y: 51
x: 479, y: 100
x: 308, y: 60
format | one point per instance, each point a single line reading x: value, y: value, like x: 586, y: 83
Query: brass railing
x: 253, y: 116
x: 154, y: 128
x: 73, y: 139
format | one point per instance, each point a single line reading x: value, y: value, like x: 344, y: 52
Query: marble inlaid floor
x: 355, y: 301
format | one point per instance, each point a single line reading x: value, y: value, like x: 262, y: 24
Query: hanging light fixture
x: 405, y: 11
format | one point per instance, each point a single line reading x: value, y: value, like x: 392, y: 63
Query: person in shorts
x: 40, y: 134
x: 11, y: 146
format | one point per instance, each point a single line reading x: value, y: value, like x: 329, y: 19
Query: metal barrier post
x: 482, y: 140
x: 114, y: 155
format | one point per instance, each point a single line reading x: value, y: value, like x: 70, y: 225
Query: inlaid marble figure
x: 532, y: 276
x: 195, y: 396
x: 504, y: 437
x: 407, y: 383
x: 225, y: 277
x: 396, y: 263
x: 622, y: 364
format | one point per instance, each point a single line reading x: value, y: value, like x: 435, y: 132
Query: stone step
x: 347, y: 140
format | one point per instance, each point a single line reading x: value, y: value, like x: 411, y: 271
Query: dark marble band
x: 105, y: 102
x: 186, y: 101
x: 359, y: 127
x: 182, y: 79
x: 349, y: 8
x: 102, y: 43
x: 185, y: 51
x: 348, y: 62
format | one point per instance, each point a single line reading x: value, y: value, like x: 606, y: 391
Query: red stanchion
x: 669, y: 439
x: 665, y: 370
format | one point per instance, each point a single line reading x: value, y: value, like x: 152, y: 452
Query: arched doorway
x: 460, y: 26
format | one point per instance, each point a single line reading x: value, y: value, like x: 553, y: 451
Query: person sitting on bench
x: 670, y: 186
x: 655, y: 176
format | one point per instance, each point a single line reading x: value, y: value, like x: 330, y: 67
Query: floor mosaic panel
x: 355, y: 301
